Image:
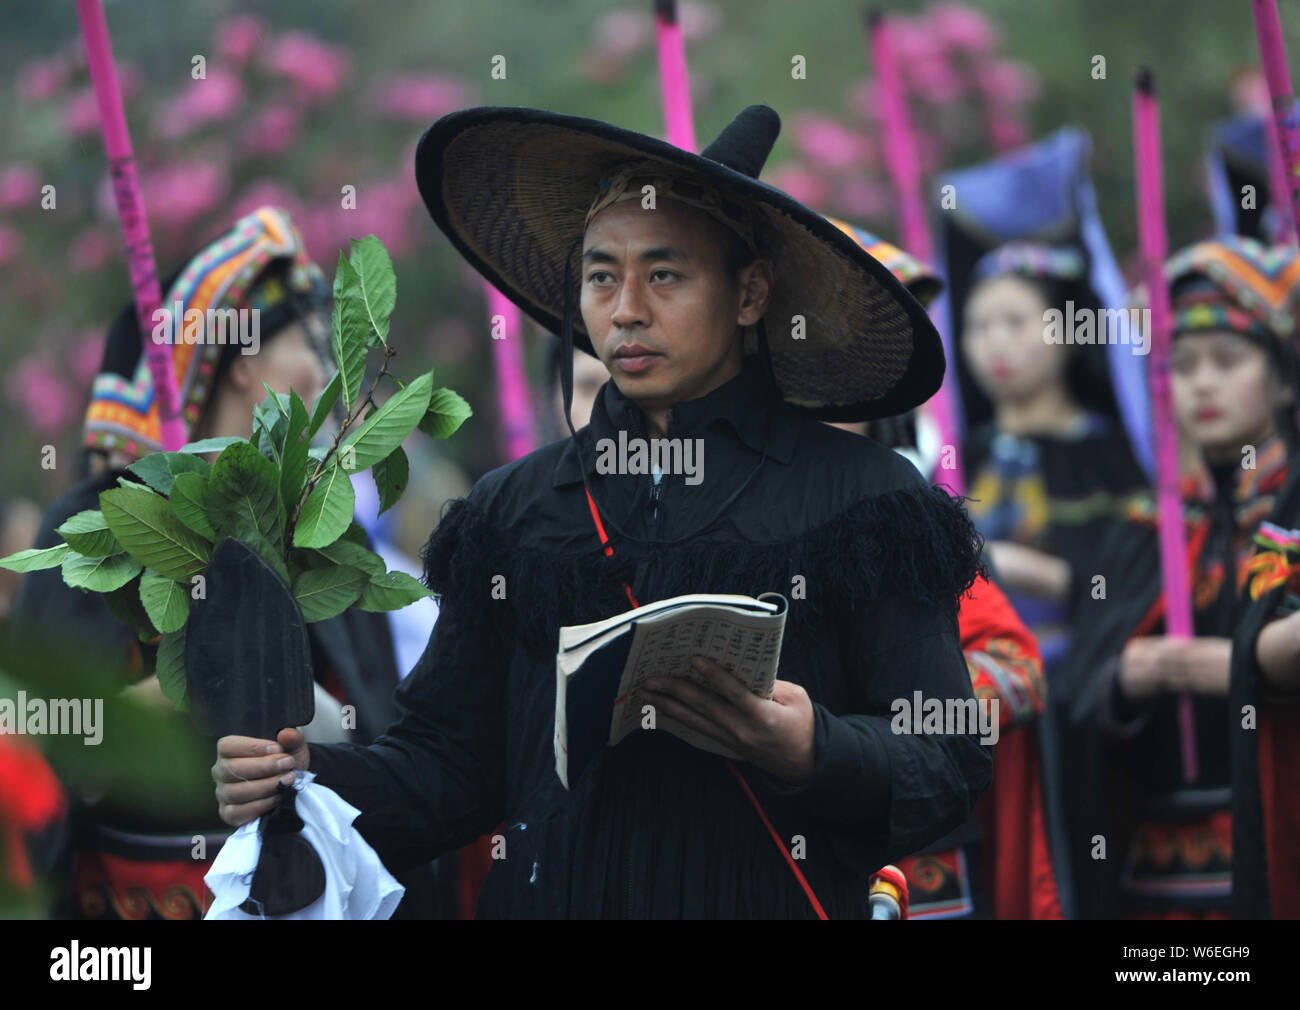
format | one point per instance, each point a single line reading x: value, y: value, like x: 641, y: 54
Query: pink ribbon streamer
x: 130, y: 210
x: 1286, y: 124
x: 1153, y: 244
x: 518, y: 434
x: 904, y: 171
x: 674, y: 82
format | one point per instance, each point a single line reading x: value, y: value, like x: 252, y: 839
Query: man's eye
x: 596, y: 274
x: 667, y: 272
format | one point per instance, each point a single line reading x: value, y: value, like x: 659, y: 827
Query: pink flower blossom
x: 178, y: 194
x: 19, y: 185
x: 804, y: 185
x: 699, y: 21
x: 81, y: 114
x: 239, y: 37
x: 863, y: 99
x: 622, y: 32
x: 316, y: 68
x: 1008, y: 82
x: 911, y: 39
x: 41, y: 79
x: 274, y: 130
x: 91, y: 249
x: 828, y: 143
x: 934, y: 79
x: 266, y: 193
x: 964, y: 28
x: 208, y: 100
x: 86, y: 355
x: 861, y: 199
x: 44, y: 397
x: 1006, y: 134
x: 422, y: 98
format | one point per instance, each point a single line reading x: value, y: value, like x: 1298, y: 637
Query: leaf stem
x: 348, y: 422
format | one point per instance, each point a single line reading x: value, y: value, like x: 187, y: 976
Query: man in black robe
x: 681, y: 256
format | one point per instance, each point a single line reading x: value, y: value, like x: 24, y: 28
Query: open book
x: 600, y: 667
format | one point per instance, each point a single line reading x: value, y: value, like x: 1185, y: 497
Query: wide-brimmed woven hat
x: 512, y: 188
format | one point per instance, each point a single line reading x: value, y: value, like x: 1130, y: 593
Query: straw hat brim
x: 510, y: 187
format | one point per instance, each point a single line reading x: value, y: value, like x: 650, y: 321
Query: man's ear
x: 756, y: 281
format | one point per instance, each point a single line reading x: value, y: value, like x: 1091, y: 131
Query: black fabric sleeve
x: 435, y: 780
x: 887, y: 794
x: 884, y: 794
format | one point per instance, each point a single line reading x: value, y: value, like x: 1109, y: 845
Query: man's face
x: 659, y: 304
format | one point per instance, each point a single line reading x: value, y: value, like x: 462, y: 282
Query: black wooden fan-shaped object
x: 247, y: 659
x: 248, y: 672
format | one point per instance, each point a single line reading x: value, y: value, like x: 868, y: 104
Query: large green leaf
x: 392, y: 474
x: 447, y: 412
x: 349, y: 330
x: 356, y: 533
x: 386, y: 428
x: 166, y: 601
x: 145, y: 526
x: 160, y: 469
x: 242, y: 497
x: 378, y: 284
x: 35, y: 559
x: 210, y: 444
x: 391, y: 591
x: 327, y: 511
x: 345, y: 552
x: 187, y: 503
x: 293, y: 461
x: 87, y: 533
x: 99, y: 575
x: 170, y: 667
x: 327, y: 592
x: 324, y: 404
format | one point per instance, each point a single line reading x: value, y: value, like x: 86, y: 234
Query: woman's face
x: 287, y: 361
x: 1003, y: 342
x: 1224, y: 390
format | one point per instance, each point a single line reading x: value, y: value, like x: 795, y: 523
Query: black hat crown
x: 747, y: 140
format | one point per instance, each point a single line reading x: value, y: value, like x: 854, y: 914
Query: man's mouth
x: 635, y: 358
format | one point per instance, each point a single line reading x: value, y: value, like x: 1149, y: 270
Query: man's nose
x: 630, y: 308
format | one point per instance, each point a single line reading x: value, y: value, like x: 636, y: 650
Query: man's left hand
x: 777, y: 735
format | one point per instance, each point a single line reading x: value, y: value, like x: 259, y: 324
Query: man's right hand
x: 248, y: 770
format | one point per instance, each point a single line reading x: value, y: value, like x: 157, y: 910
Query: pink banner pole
x: 518, y: 434
x: 905, y: 172
x: 1278, y: 187
x: 674, y: 82
x: 1285, y: 124
x: 1154, y: 251
x: 130, y: 209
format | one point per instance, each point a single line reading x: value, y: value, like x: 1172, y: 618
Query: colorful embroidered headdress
x: 230, y: 272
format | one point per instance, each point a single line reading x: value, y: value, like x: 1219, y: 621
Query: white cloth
x: 357, y: 884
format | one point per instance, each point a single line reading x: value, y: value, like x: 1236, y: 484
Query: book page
x: 749, y: 646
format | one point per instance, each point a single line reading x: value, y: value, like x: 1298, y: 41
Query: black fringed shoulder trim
x: 914, y: 542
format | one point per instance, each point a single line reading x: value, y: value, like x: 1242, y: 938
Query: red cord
x: 758, y: 807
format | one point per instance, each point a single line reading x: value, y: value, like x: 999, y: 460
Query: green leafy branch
x: 145, y: 548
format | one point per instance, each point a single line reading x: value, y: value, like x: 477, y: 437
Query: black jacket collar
x: 744, y: 406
